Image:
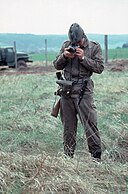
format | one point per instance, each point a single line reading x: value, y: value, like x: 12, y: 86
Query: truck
x: 10, y: 58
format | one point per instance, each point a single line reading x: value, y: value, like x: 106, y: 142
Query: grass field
x: 31, y: 147
x: 120, y: 53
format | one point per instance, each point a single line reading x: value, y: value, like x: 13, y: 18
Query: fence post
x: 106, y: 48
x: 15, y: 54
x: 46, y: 59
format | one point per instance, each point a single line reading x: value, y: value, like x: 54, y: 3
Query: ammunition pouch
x: 65, y: 88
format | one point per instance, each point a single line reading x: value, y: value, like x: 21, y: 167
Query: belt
x: 80, y: 81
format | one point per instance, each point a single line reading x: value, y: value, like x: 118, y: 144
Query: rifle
x: 64, y: 90
x: 64, y: 83
x: 82, y: 91
x: 55, y: 109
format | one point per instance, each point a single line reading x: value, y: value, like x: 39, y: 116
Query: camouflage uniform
x: 79, y: 70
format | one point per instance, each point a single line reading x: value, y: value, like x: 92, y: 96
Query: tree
x: 125, y: 45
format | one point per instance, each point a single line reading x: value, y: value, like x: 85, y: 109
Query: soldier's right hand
x: 67, y: 54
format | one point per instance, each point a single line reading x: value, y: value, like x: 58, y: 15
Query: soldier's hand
x: 67, y: 54
x: 79, y: 53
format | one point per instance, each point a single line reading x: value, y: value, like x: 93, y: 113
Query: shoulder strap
x: 89, y: 46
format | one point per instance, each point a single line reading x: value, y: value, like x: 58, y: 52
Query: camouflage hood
x: 76, y: 33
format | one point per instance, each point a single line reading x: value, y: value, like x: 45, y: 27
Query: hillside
x: 32, y: 42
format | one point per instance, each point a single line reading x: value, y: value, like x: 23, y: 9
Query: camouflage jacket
x: 78, y: 69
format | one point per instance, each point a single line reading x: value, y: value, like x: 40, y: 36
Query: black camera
x: 72, y: 48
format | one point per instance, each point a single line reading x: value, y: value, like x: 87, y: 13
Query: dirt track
x: 115, y: 65
x: 28, y: 70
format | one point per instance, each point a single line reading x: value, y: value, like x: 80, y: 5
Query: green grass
x: 31, y: 144
x: 26, y: 103
x: 111, y: 99
x: 120, y: 53
x: 41, y: 57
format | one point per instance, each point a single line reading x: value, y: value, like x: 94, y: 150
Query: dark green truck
x: 9, y: 58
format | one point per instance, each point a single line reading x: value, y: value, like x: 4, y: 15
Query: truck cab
x: 10, y: 59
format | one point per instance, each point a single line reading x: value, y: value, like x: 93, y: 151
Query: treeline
x: 36, y: 43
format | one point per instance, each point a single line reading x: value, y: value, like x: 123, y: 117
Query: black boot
x: 97, y: 155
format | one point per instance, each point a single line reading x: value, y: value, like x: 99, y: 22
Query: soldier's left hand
x: 79, y: 53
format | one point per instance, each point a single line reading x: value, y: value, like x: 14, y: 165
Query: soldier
x: 79, y: 58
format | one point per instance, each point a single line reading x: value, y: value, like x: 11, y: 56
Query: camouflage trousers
x: 86, y: 110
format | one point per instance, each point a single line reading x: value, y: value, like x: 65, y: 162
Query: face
x: 81, y: 42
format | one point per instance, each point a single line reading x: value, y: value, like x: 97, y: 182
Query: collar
x: 86, y: 42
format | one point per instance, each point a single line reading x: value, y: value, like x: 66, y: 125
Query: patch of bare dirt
x: 28, y: 70
x: 117, y: 65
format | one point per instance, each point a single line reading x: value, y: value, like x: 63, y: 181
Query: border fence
x: 109, y: 53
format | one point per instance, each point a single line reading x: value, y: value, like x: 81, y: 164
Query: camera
x: 72, y: 48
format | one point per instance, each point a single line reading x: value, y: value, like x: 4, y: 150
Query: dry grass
x: 56, y: 174
x: 120, y: 149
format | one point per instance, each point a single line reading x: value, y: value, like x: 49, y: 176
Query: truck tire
x: 21, y: 63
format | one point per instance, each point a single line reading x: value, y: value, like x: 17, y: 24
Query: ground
x: 114, y: 65
x: 117, y: 65
x: 30, y: 169
x: 30, y: 69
